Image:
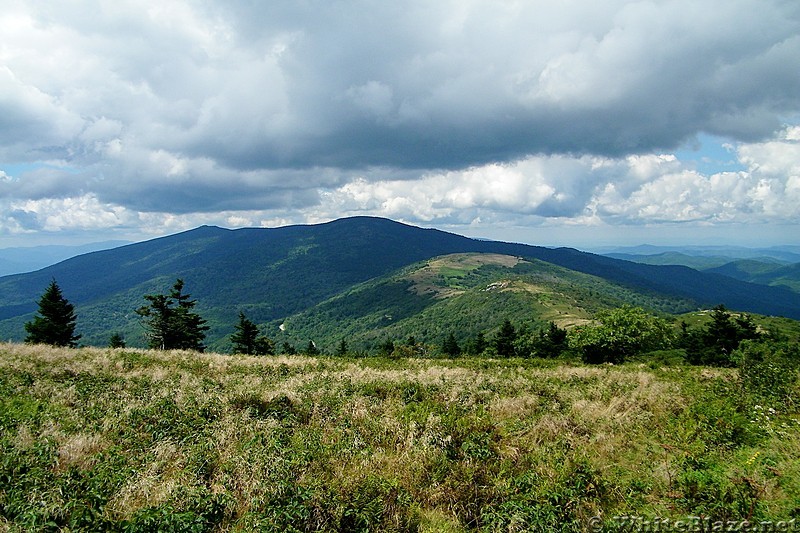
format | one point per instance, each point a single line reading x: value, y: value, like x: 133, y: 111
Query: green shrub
x: 768, y: 372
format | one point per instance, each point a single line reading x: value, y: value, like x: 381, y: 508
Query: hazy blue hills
x: 29, y: 258
x: 648, y: 252
x: 275, y: 274
x: 698, y: 262
x: 778, y: 266
x: 761, y: 272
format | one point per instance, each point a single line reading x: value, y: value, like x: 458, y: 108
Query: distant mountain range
x: 783, y: 254
x: 353, y: 275
x: 29, y: 258
x: 777, y: 266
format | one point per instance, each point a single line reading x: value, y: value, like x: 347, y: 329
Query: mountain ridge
x: 273, y: 273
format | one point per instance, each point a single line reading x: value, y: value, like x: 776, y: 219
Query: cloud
x: 446, y: 111
x: 631, y: 190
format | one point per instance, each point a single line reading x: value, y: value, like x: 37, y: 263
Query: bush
x: 620, y: 334
x: 768, y: 372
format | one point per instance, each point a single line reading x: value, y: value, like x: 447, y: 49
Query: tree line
x: 616, y: 335
x: 169, y: 320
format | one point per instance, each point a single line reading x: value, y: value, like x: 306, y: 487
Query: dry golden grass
x: 430, y: 445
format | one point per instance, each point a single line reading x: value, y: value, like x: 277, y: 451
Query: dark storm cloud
x: 456, y: 86
x: 208, y: 106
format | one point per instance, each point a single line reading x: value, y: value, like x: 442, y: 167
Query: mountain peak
x: 273, y: 273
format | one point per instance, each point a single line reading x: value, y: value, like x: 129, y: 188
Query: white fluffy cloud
x: 631, y: 190
x: 454, y: 111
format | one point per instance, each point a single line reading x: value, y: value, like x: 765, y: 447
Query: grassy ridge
x: 133, y: 440
x: 461, y: 294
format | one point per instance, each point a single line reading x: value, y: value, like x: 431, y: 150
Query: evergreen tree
x: 505, y: 338
x: 450, y: 346
x: 550, y: 342
x: 116, y: 341
x: 288, y: 349
x: 246, y: 337
x: 477, y: 345
x: 341, y: 350
x: 722, y: 334
x: 55, y: 322
x: 715, y: 344
x: 386, y: 348
x: 190, y: 328
x: 264, y: 346
x: 171, y: 322
x: 312, y: 349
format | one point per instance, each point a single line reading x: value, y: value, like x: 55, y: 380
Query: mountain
x: 697, y: 262
x: 273, y: 274
x: 30, y: 258
x: 762, y: 273
x: 763, y: 270
x: 647, y: 253
x: 462, y: 294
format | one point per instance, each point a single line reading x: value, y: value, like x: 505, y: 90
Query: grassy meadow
x: 136, y: 440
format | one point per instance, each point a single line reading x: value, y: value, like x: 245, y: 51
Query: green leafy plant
x: 620, y: 334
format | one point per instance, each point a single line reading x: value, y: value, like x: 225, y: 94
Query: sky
x: 575, y: 123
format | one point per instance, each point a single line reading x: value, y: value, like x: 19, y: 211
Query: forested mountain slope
x: 272, y: 274
x: 459, y: 294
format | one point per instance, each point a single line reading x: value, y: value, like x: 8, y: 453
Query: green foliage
x: 341, y: 350
x: 171, y: 323
x: 116, y: 341
x: 203, y: 510
x: 477, y: 344
x: 505, y: 339
x: 311, y: 349
x: 373, y: 258
x: 135, y: 440
x: 248, y: 340
x: 386, y: 348
x: 463, y: 294
x: 621, y: 333
x: 288, y: 349
x: 715, y: 343
x: 768, y: 372
x: 55, y: 322
x: 379, y: 504
x: 549, y: 342
x: 534, y: 503
x: 450, y: 346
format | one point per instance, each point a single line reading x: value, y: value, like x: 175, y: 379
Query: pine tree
x: 171, y: 322
x: 504, y: 341
x: 116, y: 341
x: 722, y: 333
x: 477, y: 344
x: 244, y: 338
x: 341, y: 350
x: 264, y: 346
x: 550, y: 342
x: 55, y: 322
x: 386, y: 348
x: 312, y: 349
x: 288, y: 349
x: 450, y: 346
x: 189, y: 327
x: 247, y: 340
